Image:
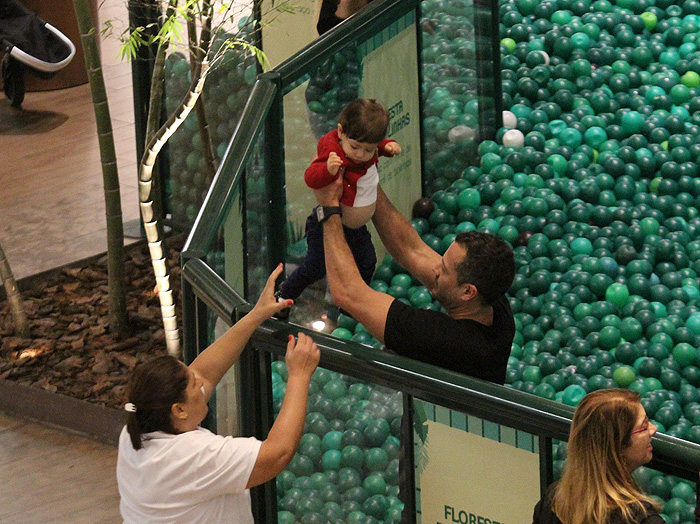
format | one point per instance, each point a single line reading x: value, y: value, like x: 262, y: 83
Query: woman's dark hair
x: 154, y: 387
x: 364, y: 120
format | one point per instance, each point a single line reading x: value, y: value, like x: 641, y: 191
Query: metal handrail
x: 230, y: 173
x: 367, y: 22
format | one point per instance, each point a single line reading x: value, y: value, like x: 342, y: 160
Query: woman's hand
x: 302, y: 356
x: 267, y: 304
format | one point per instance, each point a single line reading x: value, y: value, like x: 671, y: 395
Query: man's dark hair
x: 489, y: 265
x: 154, y: 387
x: 364, y: 120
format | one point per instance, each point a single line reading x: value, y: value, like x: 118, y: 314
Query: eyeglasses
x: 645, y: 427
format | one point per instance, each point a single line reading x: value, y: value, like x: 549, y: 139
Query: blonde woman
x: 610, y: 437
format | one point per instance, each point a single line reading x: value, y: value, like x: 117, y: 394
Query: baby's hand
x: 334, y: 162
x: 393, y: 148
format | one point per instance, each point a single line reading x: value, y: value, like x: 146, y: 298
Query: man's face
x: 357, y: 152
x: 445, y: 288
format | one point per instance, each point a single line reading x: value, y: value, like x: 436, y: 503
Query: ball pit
x: 346, y: 468
x: 607, y: 278
x: 601, y: 202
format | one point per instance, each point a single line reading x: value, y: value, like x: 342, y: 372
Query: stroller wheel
x: 13, y: 80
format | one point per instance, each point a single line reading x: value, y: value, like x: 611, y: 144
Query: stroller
x: 29, y: 43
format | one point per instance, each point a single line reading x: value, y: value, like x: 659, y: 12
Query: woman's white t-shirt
x: 188, y: 478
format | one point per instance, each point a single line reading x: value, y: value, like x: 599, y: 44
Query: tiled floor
x: 55, y: 476
x: 52, y: 213
x: 51, y: 196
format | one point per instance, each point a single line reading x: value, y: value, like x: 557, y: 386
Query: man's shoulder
x: 429, y: 319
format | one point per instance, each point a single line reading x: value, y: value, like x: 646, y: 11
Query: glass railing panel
x: 225, y: 94
x: 460, y: 461
x: 227, y: 400
x: 239, y: 247
x: 255, y: 224
x: 347, y: 465
x: 383, y: 66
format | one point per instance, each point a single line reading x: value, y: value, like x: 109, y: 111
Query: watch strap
x: 325, y: 212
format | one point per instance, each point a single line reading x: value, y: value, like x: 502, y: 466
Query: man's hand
x: 393, y: 148
x: 334, y: 162
x: 330, y: 195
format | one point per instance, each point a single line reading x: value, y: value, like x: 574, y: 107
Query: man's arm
x: 403, y: 242
x: 348, y: 290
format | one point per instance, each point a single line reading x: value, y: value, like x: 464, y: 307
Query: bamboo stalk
x: 14, y: 297
x: 197, y: 52
x: 150, y: 219
x: 110, y: 176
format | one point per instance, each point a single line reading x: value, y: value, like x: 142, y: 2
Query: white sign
x: 470, y: 479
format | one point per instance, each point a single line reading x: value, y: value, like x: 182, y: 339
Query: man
x: 470, y: 281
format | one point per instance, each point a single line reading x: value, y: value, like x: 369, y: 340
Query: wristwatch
x: 323, y: 213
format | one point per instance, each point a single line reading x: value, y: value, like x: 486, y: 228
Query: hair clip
x: 131, y: 408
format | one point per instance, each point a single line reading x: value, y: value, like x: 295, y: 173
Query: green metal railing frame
x: 205, y: 292
x: 499, y: 404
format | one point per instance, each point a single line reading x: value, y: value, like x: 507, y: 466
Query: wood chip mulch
x: 71, y: 350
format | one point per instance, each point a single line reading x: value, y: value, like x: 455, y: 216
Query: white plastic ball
x: 514, y: 138
x: 509, y: 119
x: 459, y: 133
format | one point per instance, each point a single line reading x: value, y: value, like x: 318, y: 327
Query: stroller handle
x: 41, y: 65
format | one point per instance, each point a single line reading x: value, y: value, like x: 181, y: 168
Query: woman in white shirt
x: 169, y: 469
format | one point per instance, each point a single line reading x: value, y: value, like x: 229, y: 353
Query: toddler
x: 350, y: 151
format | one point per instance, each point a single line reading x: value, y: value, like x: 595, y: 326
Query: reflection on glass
x: 225, y: 93
x: 449, y: 90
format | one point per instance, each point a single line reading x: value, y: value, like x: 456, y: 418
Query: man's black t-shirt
x: 465, y: 346
x: 327, y: 19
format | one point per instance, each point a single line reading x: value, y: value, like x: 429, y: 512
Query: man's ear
x: 340, y: 129
x: 178, y: 411
x: 469, y: 292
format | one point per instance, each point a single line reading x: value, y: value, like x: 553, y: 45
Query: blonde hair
x: 596, y: 479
